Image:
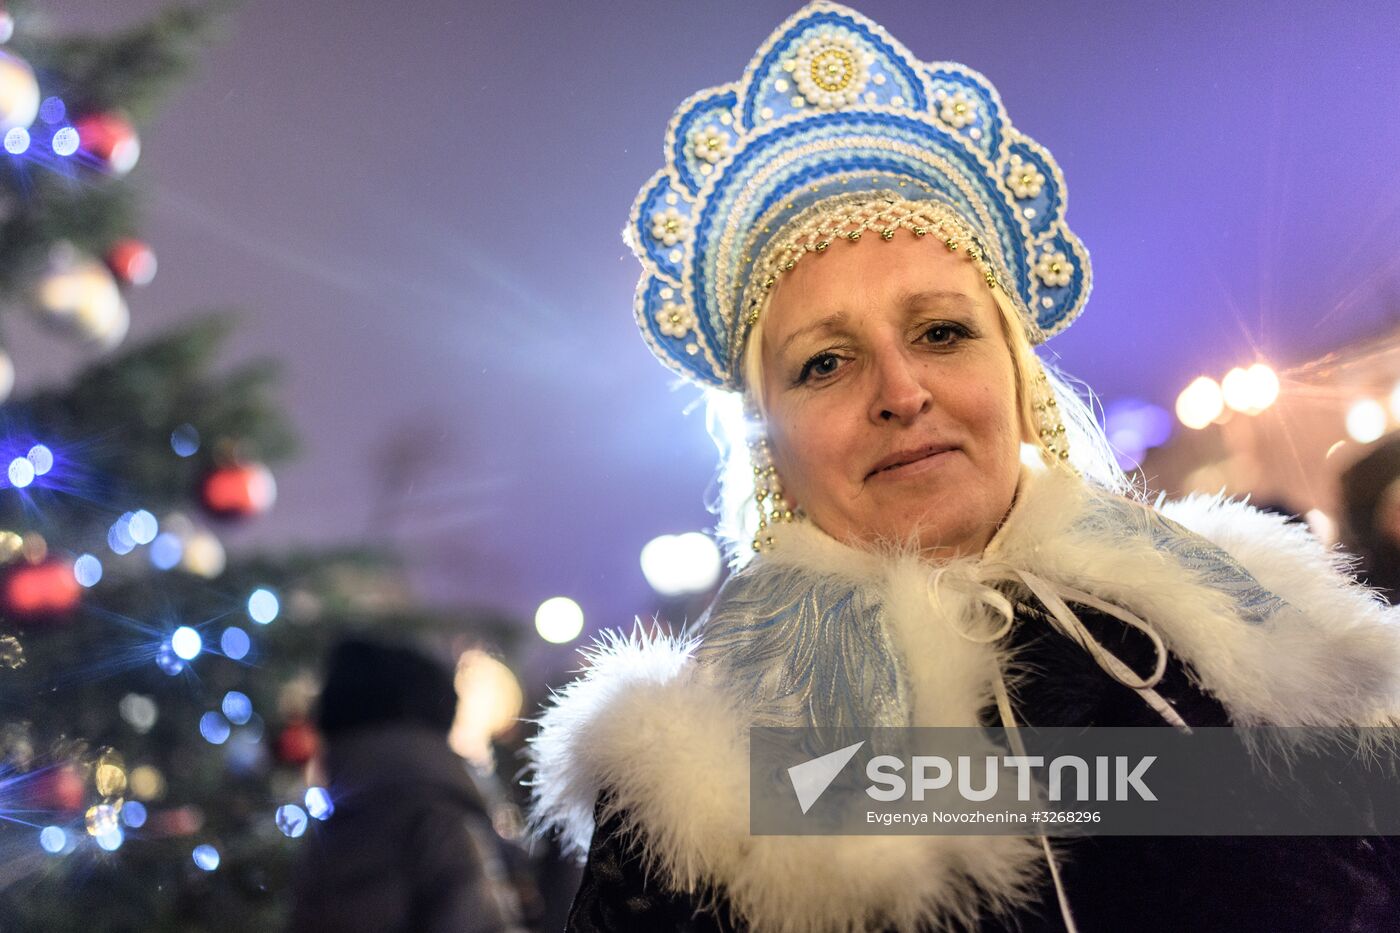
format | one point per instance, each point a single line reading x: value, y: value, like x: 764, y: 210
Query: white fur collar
x: 1265, y: 615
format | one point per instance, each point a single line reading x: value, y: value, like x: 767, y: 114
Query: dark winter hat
x: 373, y: 683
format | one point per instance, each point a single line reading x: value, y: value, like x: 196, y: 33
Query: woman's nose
x: 899, y: 393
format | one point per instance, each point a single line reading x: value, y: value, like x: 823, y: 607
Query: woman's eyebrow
x: 912, y: 298
x: 829, y: 323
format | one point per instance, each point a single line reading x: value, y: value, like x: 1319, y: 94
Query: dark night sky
x: 419, y: 205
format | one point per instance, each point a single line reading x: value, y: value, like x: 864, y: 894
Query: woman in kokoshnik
x: 929, y: 530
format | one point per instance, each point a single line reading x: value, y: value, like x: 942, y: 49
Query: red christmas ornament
x: 238, y: 491
x: 61, y: 789
x: 111, y: 140
x: 298, y: 743
x: 47, y: 588
x: 132, y: 262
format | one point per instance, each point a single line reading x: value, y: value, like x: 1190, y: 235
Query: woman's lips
x: 930, y: 461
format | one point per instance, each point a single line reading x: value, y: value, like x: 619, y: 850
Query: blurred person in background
x: 410, y: 845
x: 1371, y: 516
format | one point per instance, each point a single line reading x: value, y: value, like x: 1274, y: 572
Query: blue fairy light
x: 21, y: 472
x: 53, y: 839
x: 119, y: 542
x: 17, y: 140
x: 41, y: 457
x: 1133, y: 427
x: 168, y: 661
x: 166, y: 550
x: 263, y: 606
x: 87, y: 570
x: 186, y: 643
x: 112, y: 839
x: 237, y: 707
x: 65, y: 141
x: 234, y: 643
x: 214, y: 728
x: 119, y: 535
x: 184, y: 440
x: 134, y: 814
x: 52, y: 110
x: 318, y: 803
x: 291, y: 819
x: 142, y: 527
x: 206, y: 857
x: 246, y: 754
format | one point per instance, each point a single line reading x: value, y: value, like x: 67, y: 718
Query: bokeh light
x: 142, y: 526
x: 559, y: 620
x: 678, y: 565
x: 146, y: 782
x: 53, y: 839
x: 204, y: 555
x: 489, y: 699
x: 101, y: 818
x: 140, y: 712
x: 41, y: 457
x: 17, y: 140
x: 119, y: 537
x: 7, y: 375
x: 237, y: 707
x: 21, y: 472
x: 215, y: 728
x: 134, y: 814
x: 112, y: 839
x: 52, y: 110
x: 1200, y: 403
x: 291, y: 819
x: 234, y: 643
x: 1250, y: 390
x: 1133, y: 427
x: 206, y: 857
x: 65, y: 141
x: 110, y: 776
x: 184, y: 440
x: 166, y: 550
x: 246, y: 752
x: 263, y: 606
x: 1395, y: 402
x: 186, y: 643
x: 168, y: 661
x: 1365, y: 420
x: 318, y: 803
x: 87, y: 570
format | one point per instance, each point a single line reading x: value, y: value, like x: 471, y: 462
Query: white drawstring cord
x: 1052, y: 596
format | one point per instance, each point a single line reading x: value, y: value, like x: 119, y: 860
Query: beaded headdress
x: 835, y: 129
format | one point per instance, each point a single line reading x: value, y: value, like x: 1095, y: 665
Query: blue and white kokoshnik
x: 832, y: 104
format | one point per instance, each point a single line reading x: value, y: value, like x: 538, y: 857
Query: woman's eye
x: 943, y: 334
x: 820, y: 366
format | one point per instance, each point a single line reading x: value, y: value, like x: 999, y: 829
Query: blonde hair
x: 731, y: 425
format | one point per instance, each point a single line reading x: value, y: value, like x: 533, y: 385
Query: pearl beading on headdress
x: 849, y: 218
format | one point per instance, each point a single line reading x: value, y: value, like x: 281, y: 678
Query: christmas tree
x: 154, y: 690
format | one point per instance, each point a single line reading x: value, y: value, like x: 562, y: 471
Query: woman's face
x: 890, y: 395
